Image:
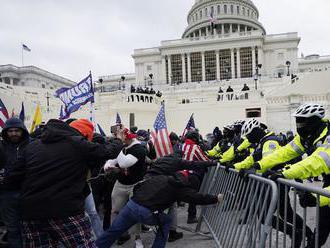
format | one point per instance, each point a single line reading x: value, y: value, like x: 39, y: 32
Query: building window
x: 176, y: 64
x: 238, y: 10
x: 243, y: 11
x: 210, y: 66
x: 253, y: 113
x: 200, y: 14
x: 248, y: 13
x: 196, y: 17
x: 149, y: 67
x: 212, y: 11
x: 246, y: 62
x: 196, y: 67
x: 225, y: 64
x: 232, y: 9
x: 205, y: 12
x: 219, y: 9
x: 225, y: 9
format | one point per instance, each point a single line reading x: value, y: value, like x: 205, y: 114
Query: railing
x: 245, y: 217
x: 232, y: 96
x: 143, y: 98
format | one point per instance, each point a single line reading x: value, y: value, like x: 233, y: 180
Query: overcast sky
x: 71, y: 37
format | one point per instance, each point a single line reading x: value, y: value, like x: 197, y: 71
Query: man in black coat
x: 15, y: 138
x: 53, y: 172
x: 161, y: 187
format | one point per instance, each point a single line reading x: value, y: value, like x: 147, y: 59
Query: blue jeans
x: 11, y: 216
x: 94, y: 217
x: 130, y: 215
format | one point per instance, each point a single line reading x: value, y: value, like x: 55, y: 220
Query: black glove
x: 275, y: 175
x: 257, y: 166
x: 268, y: 173
x: 306, y: 199
x: 244, y: 173
x: 228, y: 167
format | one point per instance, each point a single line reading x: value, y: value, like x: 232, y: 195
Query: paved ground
x: 190, y: 240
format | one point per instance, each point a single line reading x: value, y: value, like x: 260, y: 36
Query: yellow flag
x: 37, y: 119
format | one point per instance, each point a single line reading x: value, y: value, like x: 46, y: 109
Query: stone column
x: 164, y: 76
x: 203, y: 67
x: 232, y: 63
x: 11, y: 81
x: 254, y: 61
x: 246, y: 29
x: 189, y: 67
x: 169, y: 69
x: 222, y: 29
x: 207, y: 31
x: 231, y: 28
x: 238, y: 63
x: 183, y: 68
x: 200, y: 32
x: 217, y: 57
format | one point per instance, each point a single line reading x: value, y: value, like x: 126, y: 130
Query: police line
x: 256, y: 212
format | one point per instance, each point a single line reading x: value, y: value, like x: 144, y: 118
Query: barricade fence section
x: 244, y: 219
x: 299, y: 220
x: 257, y: 212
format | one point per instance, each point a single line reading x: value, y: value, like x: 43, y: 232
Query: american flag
x: 212, y: 19
x: 118, y: 119
x: 190, y: 125
x: 26, y: 48
x: 160, y: 135
x: 3, y: 114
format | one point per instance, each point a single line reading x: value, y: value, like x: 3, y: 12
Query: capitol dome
x: 228, y: 16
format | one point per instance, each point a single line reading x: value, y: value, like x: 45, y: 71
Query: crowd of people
x: 230, y: 93
x: 145, y: 90
x: 66, y: 186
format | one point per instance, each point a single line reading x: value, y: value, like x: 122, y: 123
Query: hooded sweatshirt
x: 53, y: 171
x: 10, y: 151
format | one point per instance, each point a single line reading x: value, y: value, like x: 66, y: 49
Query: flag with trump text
x: 190, y: 125
x: 3, y: 114
x: 160, y: 135
x: 76, y: 96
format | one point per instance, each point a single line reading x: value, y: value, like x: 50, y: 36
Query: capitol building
x: 223, y: 45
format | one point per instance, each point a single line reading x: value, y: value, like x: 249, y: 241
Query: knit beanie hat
x: 85, y: 127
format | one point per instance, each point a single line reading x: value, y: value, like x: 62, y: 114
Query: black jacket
x: 162, y: 186
x: 53, y: 171
x: 9, y: 151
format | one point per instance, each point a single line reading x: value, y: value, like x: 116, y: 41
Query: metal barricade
x: 244, y: 219
x: 295, y: 226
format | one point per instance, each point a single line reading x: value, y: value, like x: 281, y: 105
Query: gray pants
x: 120, y: 196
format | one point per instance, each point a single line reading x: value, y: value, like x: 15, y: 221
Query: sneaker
x: 138, y: 243
x: 123, y: 239
x: 145, y: 229
x: 174, y: 235
x: 192, y: 220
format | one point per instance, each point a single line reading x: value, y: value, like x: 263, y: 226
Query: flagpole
x: 92, y: 115
x: 22, y: 55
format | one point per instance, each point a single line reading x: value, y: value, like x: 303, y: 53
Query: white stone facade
x: 32, y: 76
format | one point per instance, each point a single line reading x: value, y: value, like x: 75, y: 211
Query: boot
x: 174, y: 235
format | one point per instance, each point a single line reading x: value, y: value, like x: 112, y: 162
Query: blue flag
x: 101, y: 130
x: 63, y: 114
x: 76, y: 96
x: 22, y: 113
x: 118, y: 119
